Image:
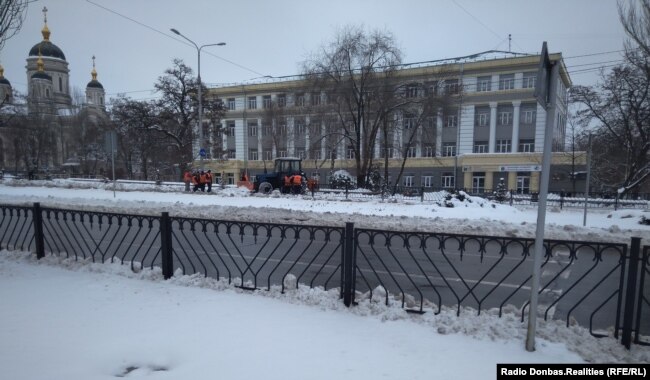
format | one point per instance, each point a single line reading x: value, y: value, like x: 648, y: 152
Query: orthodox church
x: 50, y: 128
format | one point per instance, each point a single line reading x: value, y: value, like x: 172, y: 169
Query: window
x: 408, y: 181
x: 523, y: 183
x: 332, y: 154
x: 300, y: 100
x: 483, y: 84
x: 409, y: 122
x: 300, y: 153
x: 252, y: 129
x: 428, y: 151
x: 529, y: 116
x: 480, y: 147
x: 505, y: 118
x: 300, y: 127
x: 483, y: 119
x: 529, y: 80
x: 448, y: 180
x: 282, y: 129
x: 60, y: 85
x: 478, y: 183
x: 503, y: 146
x: 268, y: 155
x: 315, y: 154
x: 282, y: 153
x: 448, y: 149
x: 315, y: 99
x: 527, y: 146
x: 350, y: 154
x: 232, y: 153
x: 411, y: 91
x: 427, y: 181
x: 282, y: 100
x: 452, y: 121
x: 252, y: 102
x: 411, y: 152
x: 252, y: 154
x: 451, y: 86
x: 266, y: 101
x: 230, y: 131
x: 387, y: 151
x: 507, y: 82
x: 266, y: 130
x: 231, y: 104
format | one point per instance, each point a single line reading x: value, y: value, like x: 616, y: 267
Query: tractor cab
x: 286, y: 166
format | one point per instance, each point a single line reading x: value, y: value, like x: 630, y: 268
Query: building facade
x: 494, y: 130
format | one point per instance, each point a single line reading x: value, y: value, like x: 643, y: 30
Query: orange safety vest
x: 287, y: 180
x: 187, y: 177
x: 208, y: 177
x: 203, y: 178
x: 297, y: 180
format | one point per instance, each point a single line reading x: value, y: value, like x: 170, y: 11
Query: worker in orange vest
x: 187, y: 178
x: 208, y: 180
x: 287, y: 184
x: 297, y: 183
x: 196, y: 181
x: 203, y: 179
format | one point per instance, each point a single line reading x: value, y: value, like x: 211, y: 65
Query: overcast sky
x: 133, y: 44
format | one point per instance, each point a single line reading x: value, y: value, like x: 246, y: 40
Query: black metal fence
x: 602, y: 286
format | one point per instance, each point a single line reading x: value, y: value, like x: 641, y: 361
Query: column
x: 489, y: 181
x: 493, y: 126
x: 467, y: 181
x: 512, y: 180
x: 307, y: 142
x: 439, y: 133
x: 515, y: 125
x: 260, y: 147
x: 323, y: 142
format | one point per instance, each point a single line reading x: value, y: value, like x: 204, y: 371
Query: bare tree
x: 621, y: 107
x: 178, y: 109
x: 349, y: 76
x: 12, y: 15
x: 135, y: 123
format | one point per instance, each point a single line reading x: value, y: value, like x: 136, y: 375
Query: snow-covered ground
x: 71, y: 320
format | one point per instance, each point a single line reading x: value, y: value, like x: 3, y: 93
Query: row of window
x: 448, y: 150
x: 505, y: 82
x: 449, y: 86
x: 504, y: 118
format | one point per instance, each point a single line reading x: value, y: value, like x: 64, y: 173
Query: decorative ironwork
x: 428, y: 270
x: 16, y: 228
x: 258, y: 254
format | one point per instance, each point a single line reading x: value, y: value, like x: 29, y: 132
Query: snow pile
x: 487, y: 326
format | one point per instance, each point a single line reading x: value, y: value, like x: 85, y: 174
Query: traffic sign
x: 202, y: 152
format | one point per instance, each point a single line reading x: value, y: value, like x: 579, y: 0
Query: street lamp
x: 198, y: 52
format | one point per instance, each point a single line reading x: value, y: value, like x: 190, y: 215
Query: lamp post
x: 198, y: 52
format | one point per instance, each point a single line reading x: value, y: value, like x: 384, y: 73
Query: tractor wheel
x: 265, y: 188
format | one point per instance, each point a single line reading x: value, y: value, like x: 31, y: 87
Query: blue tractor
x: 267, y: 182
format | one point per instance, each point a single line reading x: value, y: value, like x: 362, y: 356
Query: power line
x: 477, y: 19
x: 172, y: 37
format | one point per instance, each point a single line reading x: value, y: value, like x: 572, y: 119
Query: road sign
x: 202, y: 152
x: 520, y: 168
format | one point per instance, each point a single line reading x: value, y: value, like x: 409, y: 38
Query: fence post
x: 37, y: 218
x: 561, y: 200
x: 630, y: 292
x: 166, y: 246
x: 348, y: 265
x: 511, y: 197
x: 422, y: 194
